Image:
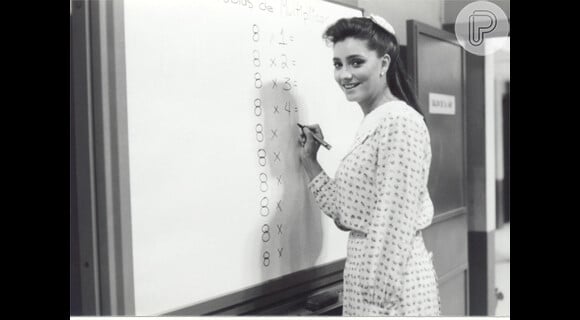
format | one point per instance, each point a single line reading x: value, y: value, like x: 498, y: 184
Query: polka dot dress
x: 379, y: 194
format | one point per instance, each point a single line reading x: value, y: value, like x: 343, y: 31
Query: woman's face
x: 357, y: 70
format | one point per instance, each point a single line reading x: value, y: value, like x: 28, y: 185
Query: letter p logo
x: 480, y: 23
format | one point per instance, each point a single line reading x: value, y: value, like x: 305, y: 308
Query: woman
x: 379, y: 193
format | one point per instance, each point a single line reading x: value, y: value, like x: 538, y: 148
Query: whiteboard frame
x: 101, y: 158
x: 103, y: 198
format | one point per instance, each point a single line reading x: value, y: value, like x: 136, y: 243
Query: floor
x: 502, y: 269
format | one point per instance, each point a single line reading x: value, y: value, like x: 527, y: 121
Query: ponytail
x: 399, y: 83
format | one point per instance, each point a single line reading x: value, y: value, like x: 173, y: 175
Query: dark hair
x: 383, y: 42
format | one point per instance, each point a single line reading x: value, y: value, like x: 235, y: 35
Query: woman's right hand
x: 309, y: 146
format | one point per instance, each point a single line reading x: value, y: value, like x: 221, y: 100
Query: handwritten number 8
x: 263, y: 182
x: 257, y: 80
x: 256, y: 31
x: 257, y: 62
x: 264, y: 210
x: 262, y: 157
x: 257, y: 107
x: 265, y: 233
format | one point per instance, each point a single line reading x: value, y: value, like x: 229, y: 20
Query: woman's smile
x: 350, y: 86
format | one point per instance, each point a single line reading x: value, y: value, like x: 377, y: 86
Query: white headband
x: 382, y: 23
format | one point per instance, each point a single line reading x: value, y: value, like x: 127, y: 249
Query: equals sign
x: 294, y: 62
x: 295, y: 83
x: 291, y: 38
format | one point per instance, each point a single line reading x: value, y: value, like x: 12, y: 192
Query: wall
x: 502, y: 74
x: 352, y: 3
x: 500, y: 62
x: 490, y: 149
x: 496, y: 73
x: 452, y: 8
x: 397, y: 12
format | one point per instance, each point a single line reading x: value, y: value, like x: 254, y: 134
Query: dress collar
x: 373, y: 118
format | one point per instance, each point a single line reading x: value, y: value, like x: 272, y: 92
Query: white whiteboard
x: 199, y: 148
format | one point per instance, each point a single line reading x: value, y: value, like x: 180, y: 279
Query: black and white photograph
x: 289, y: 158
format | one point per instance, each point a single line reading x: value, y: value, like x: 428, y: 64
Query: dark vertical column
x: 74, y: 278
x: 482, y: 299
x: 481, y: 241
x: 506, y: 150
x: 83, y: 214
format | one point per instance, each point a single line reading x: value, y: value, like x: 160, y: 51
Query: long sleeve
x: 326, y: 194
x: 397, y: 187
